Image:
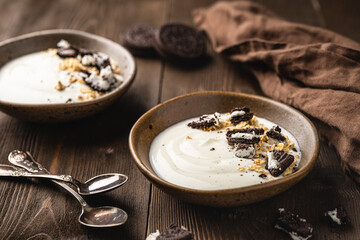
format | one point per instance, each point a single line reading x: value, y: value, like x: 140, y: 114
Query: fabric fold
x: 312, y: 69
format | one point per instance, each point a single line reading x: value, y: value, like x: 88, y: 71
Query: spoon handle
x: 7, y: 170
x: 25, y: 161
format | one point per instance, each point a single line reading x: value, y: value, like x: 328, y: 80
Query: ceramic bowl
x: 55, y: 112
x: 192, y: 105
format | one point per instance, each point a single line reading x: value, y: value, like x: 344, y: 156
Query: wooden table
x: 99, y: 144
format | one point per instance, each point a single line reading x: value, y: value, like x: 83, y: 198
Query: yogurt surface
x: 46, y: 77
x: 202, y: 160
x: 31, y: 79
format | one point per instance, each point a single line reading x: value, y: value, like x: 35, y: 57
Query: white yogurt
x: 32, y: 79
x: 182, y: 156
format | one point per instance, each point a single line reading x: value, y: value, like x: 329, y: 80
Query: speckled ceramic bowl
x: 195, y: 104
x: 56, y: 112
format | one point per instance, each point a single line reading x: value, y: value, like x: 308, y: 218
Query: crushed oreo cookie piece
x: 240, y: 114
x: 278, y: 162
x: 98, y: 83
x: 298, y: 228
x: 177, y: 41
x: 101, y: 60
x: 275, y: 133
x: 205, y: 121
x: 84, y: 52
x: 244, y: 150
x: 244, y: 136
x: 212, y: 149
x: 69, y: 52
x: 139, y: 39
x: 338, y: 216
x: 88, y: 60
x: 174, y: 232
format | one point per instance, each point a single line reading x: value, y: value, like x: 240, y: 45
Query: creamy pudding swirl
x: 59, y: 75
x: 222, y: 151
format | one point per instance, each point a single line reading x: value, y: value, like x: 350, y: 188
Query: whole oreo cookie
x: 179, y: 42
x: 140, y: 39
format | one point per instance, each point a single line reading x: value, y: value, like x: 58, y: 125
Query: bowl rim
x: 302, y: 172
x: 105, y: 97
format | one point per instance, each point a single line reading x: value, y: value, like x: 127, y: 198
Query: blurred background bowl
x: 57, y: 112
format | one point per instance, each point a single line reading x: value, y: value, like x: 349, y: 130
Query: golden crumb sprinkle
x: 257, y: 168
x: 117, y: 71
x: 241, y: 169
x: 60, y: 86
x: 258, y: 161
x: 80, y: 80
x: 72, y: 79
x: 188, y: 137
x: 85, y: 90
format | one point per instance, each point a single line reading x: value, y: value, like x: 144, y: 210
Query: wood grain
x: 99, y: 144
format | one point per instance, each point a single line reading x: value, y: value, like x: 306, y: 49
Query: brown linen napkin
x: 314, y: 70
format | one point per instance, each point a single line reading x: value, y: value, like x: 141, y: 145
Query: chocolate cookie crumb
x: 338, y: 216
x: 278, y: 162
x: 275, y: 133
x: 240, y: 114
x: 244, y: 150
x: 174, y: 232
x: 262, y: 176
x: 67, y: 52
x: 296, y: 227
x: 205, y: 121
x: 244, y: 136
x: 212, y: 149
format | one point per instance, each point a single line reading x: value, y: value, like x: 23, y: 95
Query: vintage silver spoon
x: 105, y: 216
x: 98, y: 184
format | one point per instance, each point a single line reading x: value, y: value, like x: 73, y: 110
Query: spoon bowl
x: 101, y: 183
x: 102, y: 216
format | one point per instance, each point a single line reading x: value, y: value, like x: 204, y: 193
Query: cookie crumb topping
x: 87, y: 67
x: 271, y: 151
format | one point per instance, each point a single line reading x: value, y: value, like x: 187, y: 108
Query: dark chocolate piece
x: 246, y: 116
x: 174, y: 232
x: 338, y: 216
x: 67, y: 52
x: 140, y: 39
x: 275, y: 133
x: 263, y: 176
x: 235, y: 140
x: 296, y: 227
x: 177, y: 41
x: 205, y: 121
x: 278, y: 162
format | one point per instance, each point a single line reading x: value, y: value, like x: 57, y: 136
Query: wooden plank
x: 79, y: 148
x: 326, y: 186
